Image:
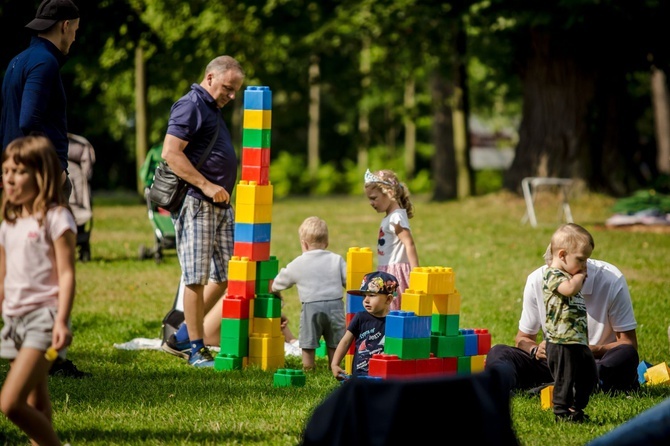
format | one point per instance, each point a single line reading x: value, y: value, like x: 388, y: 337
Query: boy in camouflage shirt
x: 569, y: 358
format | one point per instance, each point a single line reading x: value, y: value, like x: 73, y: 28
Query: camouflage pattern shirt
x: 566, y: 315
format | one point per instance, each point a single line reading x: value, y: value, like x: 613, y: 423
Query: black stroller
x: 81, y: 158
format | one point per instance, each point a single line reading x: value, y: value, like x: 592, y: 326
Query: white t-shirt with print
x: 390, y: 250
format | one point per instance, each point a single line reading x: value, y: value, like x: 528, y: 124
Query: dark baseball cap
x: 377, y: 282
x: 52, y: 11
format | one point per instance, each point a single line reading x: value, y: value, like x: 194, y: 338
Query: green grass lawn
x: 149, y: 397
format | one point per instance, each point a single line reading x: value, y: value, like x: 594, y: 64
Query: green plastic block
x: 289, y: 377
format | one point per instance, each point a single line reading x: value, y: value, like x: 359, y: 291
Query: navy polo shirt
x: 194, y: 118
x: 33, y: 97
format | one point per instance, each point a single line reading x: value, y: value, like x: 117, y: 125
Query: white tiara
x: 372, y: 178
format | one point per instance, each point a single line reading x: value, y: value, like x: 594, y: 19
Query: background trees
x: 362, y: 83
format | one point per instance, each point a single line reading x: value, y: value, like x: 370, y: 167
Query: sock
x: 182, y: 333
x: 196, y: 345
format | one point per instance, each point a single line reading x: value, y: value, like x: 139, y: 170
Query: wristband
x: 533, y: 352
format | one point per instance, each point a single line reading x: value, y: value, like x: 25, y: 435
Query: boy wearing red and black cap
x: 367, y: 328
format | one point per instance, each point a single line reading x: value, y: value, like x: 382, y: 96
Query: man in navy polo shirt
x: 204, y: 224
x: 33, y: 97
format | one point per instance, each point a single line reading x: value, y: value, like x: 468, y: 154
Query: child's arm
x: 572, y: 286
x: 338, y: 356
x: 3, y: 273
x: 64, y: 247
x: 405, y: 236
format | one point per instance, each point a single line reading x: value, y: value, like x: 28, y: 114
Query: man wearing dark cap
x: 33, y: 97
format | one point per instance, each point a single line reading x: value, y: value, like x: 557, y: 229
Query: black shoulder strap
x: 209, y: 147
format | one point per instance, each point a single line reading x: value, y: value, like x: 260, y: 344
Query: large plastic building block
x: 418, y: 302
x: 658, y: 374
x: 252, y: 156
x: 253, y: 213
x: 464, y: 365
x: 355, y: 279
x: 405, y: 324
x: 483, y: 341
x: 259, y: 174
x: 267, y: 325
x: 224, y: 361
x: 547, y: 397
x: 391, y: 366
x: 354, y: 304
x: 407, y: 348
x: 253, y: 232
x: 258, y: 98
x: 268, y: 363
x: 235, y: 307
x: 477, y: 363
x: 257, y: 119
x: 234, y: 337
x: 256, y: 138
x: 252, y: 193
x: 264, y: 344
x: 267, y: 269
x: 450, y: 365
x: 255, y: 251
x: 445, y: 346
x: 241, y: 268
x: 243, y: 288
x: 470, y: 337
x: 432, y: 280
x: 641, y: 370
x: 322, y: 349
x: 289, y: 378
x: 267, y: 305
x: 359, y: 260
x: 430, y: 367
x: 445, y: 324
x: 447, y: 303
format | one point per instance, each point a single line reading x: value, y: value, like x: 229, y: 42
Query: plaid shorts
x: 204, y: 236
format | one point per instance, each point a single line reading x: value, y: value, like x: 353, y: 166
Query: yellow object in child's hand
x: 51, y: 354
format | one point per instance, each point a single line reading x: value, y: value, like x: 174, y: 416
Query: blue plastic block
x: 407, y: 325
x: 641, y: 370
x: 354, y: 304
x: 258, y: 98
x: 253, y: 232
x: 471, y: 348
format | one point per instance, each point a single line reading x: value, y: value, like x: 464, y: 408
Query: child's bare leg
x: 331, y: 355
x: 27, y: 380
x: 308, y: 358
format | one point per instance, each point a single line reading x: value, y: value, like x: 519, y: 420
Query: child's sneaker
x: 203, y: 358
x: 182, y: 349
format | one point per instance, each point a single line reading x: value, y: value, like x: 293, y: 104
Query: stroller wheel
x: 142, y: 254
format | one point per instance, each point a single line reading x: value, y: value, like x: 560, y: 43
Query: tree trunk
x: 313, y: 160
x: 660, y: 99
x: 574, y: 119
x: 141, y: 143
x: 363, y: 108
x: 466, y: 184
x: 409, y: 102
x: 444, y: 159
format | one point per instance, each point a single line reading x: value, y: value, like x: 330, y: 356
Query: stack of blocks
x: 359, y: 263
x: 251, y: 315
x: 653, y: 375
x: 423, y: 338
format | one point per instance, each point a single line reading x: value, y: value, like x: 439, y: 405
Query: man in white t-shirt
x: 611, y: 329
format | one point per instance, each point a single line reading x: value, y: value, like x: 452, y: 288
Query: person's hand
x: 284, y: 321
x: 61, y: 336
x: 217, y: 193
x: 541, y: 352
x: 338, y: 373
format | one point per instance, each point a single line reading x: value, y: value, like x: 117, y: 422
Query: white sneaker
x: 292, y: 349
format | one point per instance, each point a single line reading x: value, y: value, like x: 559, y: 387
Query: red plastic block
x: 255, y: 251
x: 483, y: 341
x: 235, y: 307
x: 260, y: 175
x: 450, y: 365
x: 255, y: 157
x: 243, y: 288
x: 390, y: 366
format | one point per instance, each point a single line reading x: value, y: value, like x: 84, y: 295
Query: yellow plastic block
x: 432, y: 279
x: 249, y: 192
x: 477, y: 363
x: 354, y: 280
x: 251, y: 319
x: 359, y: 260
x: 447, y: 303
x: 348, y: 363
x: 257, y: 119
x: 267, y: 363
x: 268, y: 325
x: 249, y: 213
x: 547, y: 397
x: 418, y: 302
x: 263, y: 344
x: 658, y: 374
x: 241, y: 268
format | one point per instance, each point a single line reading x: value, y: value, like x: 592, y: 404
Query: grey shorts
x: 205, y: 240
x: 324, y: 318
x: 33, y: 330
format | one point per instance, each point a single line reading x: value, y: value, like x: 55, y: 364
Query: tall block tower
x: 250, y: 326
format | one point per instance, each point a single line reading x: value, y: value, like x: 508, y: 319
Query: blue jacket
x: 33, y: 97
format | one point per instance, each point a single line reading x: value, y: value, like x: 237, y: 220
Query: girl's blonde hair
x: 390, y: 186
x: 38, y: 154
x: 314, y: 231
